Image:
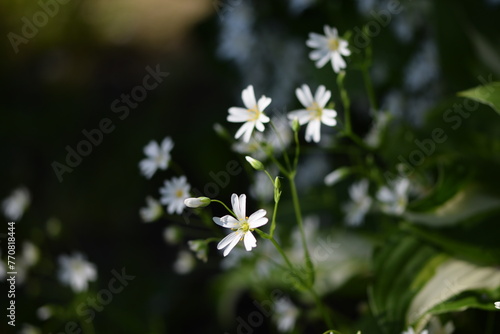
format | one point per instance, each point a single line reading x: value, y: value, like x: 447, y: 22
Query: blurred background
x: 63, y: 65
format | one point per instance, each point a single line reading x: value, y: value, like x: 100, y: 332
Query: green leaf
x: 488, y: 94
x: 451, y: 278
x: 465, y: 204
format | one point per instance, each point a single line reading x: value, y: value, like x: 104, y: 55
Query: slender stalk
x: 228, y: 209
x: 369, y: 88
x: 285, y: 154
x: 273, y: 221
x: 322, y: 307
x: 298, y: 214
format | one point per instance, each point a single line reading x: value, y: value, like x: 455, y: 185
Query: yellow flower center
x: 254, y: 113
x: 333, y: 44
x: 315, y: 110
x: 179, y: 193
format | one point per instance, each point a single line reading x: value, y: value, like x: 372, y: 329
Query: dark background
x: 64, y: 80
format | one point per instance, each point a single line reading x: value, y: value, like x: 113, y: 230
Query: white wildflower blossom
x: 329, y: 47
x: 173, y: 194
x: 152, y: 211
x: 394, y: 198
x: 16, y: 204
x: 314, y: 113
x: 157, y: 157
x: 185, y: 263
x: 286, y: 314
x: 241, y: 225
x: 76, y: 271
x: 252, y: 115
x: 360, y: 203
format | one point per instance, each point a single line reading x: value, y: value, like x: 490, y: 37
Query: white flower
x: 29, y: 256
x: 394, y: 198
x: 157, y: 157
x: 185, y: 262
x: 436, y: 327
x: 172, y: 235
x: 29, y: 329
x: 44, y: 312
x: 328, y: 47
x: 76, y: 271
x: 241, y: 225
x: 361, y: 201
x: 175, y: 191
x: 200, y: 248
x: 314, y: 114
x: 411, y: 331
x: 252, y: 117
x: 285, y: 314
x: 15, y: 205
x: 152, y: 211
x: 497, y: 305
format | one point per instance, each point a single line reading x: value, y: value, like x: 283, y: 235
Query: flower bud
x: 256, y: 164
x: 199, y: 202
x: 277, y: 191
x: 336, y: 176
x: 295, y: 124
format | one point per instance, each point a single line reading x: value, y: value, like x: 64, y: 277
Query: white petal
x: 237, y: 115
x: 328, y: 120
x: 148, y: 167
x: 246, y: 129
x: 303, y: 116
x: 167, y: 144
x: 243, y: 206
x: 337, y: 62
x: 233, y: 243
x: 313, y: 131
x: 257, y: 219
x: 259, y: 126
x: 227, y: 221
x: 228, y: 239
x: 322, y: 96
x: 263, y: 102
x: 152, y: 149
x: 249, y: 241
x: 322, y: 62
x: 304, y: 95
x: 248, y: 97
x: 318, y: 54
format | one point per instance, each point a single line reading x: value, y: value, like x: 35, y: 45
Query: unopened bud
x: 256, y: 164
x: 199, y: 202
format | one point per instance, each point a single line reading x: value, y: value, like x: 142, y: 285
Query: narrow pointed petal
x: 248, y: 97
x: 249, y: 241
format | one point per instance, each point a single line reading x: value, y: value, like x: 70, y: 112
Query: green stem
x: 297, y: 150
x: 345, y: 101
x: 322, y: 308
x: 285, y: 154
x: 228, y: 209
x: 298, y: 214
x: 273, y: 221
x: 369, y: 88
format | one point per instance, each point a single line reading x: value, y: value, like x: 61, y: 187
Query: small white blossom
x: 152, y: 211
x: 241, y: 225
x: 185, y: 262
x: 29, y: 329
x: 76, y: 271
x: 252, y: 115
x: 314, y: 113
x: 157, y: 157
x: 14, y: 206
x: 328, y: 47
x: 30, y: 255
x: 172, y: 235
x: 497, y: 305
x: 44, y: 312
x: 286, y: 314
x: 436, y: 327
x: 394, y: 198
x: 200, y: 248
x: 411, y: 331
x: 175, y: 191
x: 361, y: 202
